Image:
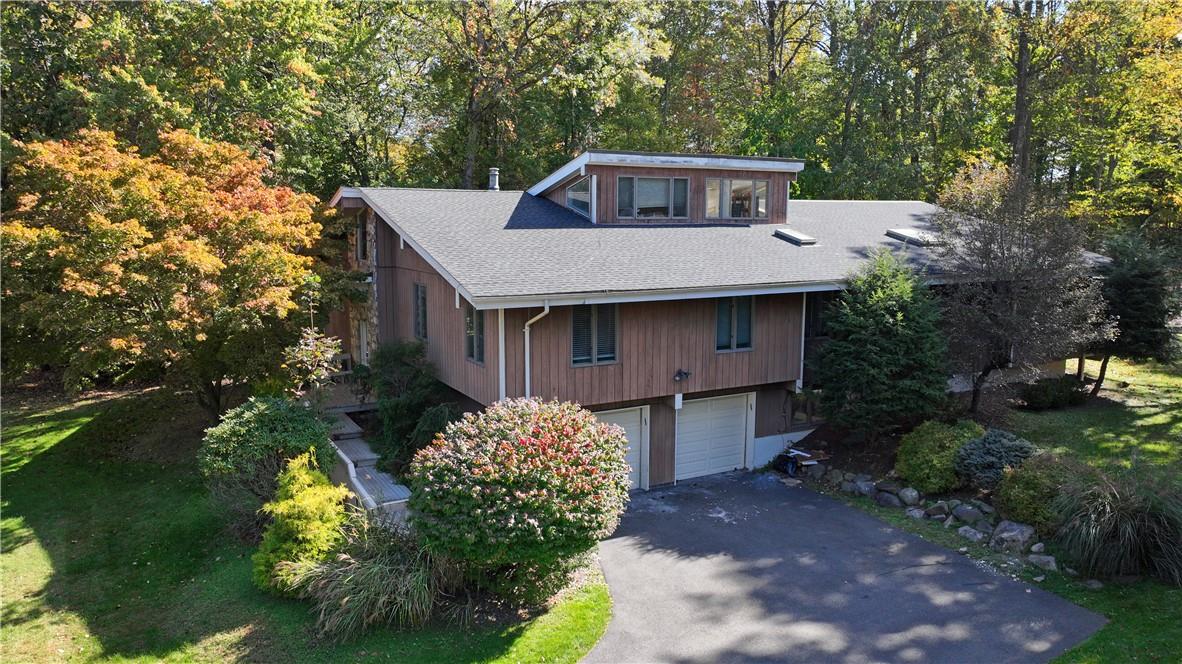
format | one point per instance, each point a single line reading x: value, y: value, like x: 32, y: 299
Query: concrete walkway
x: 740, y: 568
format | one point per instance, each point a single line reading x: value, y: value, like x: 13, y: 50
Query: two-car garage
x: 712, y: 435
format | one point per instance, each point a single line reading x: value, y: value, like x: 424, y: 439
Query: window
x: 652, y: 197
x: 363, y: 342
x: 421, y: 311
x: 578, y: 196
x: 362, y: 238
x: 593, y: 334
x: 736, y: 199
x: 474, y: 334
x: 733, y: 325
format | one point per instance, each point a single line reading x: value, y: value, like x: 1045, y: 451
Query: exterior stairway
x: 356, y: 469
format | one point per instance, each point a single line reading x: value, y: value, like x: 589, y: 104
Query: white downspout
x: 501, y: 354
x: 528, y: 323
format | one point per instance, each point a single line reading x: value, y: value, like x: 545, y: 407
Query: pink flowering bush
x: 519, y: 490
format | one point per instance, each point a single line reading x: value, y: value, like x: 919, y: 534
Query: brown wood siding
x: 661, y: 442
x: 384, y: 274
x: 777, y: 192
x: 772, y: 410
x: 658, y: 338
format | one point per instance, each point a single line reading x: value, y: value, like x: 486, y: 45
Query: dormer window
x: 736, y: 199
x: 652, y: 197
x: 578, y: 196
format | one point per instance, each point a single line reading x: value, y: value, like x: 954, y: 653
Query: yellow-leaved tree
x: 185, y: 263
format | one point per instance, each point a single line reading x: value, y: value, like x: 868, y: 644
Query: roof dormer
x: 662, y: 188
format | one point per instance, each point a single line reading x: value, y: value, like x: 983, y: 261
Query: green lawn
x: 111, y: 551
x: 1142, y: 419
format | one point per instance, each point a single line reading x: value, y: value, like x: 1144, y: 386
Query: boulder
x: 916, y: 513
x: 950, y: 521
x: 972, y: 534
x: 985, y: 507
x: 953, y: 504
x: 1040, y: 578
x: 864, y: 487
x: 1043, y: 562
x: 1038, y: 548
x: 1011, y: 537
x: 939, y: 509
x: 815, y: 471
x: 1093, y: 584
x: 888, y: 486
x: 968, y: 513
x: 909, y: 496
x: 862, y: 477
x: 848, y: 487
x: 835, y: 476
x: 887, y: 499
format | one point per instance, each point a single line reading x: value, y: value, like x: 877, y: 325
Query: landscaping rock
x: 985, y: 507
x: 864, y: 487
x: 984, y: 526
x: 1043, y: 562
x: 1011, y: 537
x: 970, y: 533
x: 862, y: 477
x: 1093, y: 584
x: 848, y: 487
x: 835, y: 476
x: 968, y: 513
x: 1070, y: 571
x: 916, y: 513
x: 939, y: 509
x: 887, y: 499
x: 953, y: 504
x: 850, y: 477
x: 909, y: 496
x: 1038, y: 548
x: 888, y: 486
x: 1040, y: 578
x: 815, y: 471
x: 950, y: 521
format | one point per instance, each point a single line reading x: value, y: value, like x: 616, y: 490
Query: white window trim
x: 590, y: 180
x: 634, y: 178
x: 754, y: 181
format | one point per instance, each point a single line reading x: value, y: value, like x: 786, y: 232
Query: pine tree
x: 885, y: 361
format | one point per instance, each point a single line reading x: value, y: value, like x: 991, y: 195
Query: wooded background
x: 883, y: 99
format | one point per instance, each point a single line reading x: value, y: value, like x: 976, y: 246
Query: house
x: 676, y: 295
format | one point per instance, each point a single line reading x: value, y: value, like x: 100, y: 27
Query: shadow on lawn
x: 138, y: 552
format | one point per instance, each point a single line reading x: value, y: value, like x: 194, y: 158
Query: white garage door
x: 711, y: 436
x: 633, y: 422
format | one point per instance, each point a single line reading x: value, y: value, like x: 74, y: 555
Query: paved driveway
x: 741, y: 568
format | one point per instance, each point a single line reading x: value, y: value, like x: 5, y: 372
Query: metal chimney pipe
x: 494, y: 179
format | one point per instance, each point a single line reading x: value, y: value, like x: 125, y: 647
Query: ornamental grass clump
x: 307, y: 515
x: 1128, y: 522
x: 982, y: 461
x: 379, y: 575
x: 518, y: 491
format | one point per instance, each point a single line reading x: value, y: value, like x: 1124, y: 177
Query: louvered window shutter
x: 605, y: 333
x: 582, y: 335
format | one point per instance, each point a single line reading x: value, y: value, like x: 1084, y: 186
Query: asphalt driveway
x: 740, y: 568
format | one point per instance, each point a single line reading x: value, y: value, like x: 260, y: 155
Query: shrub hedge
x: 1028, y: 493
x: 307, y: 515
x: 927, y: 455
x: 1051, y: 393
x: 518, y: 490
x: 243, y: 454
x: 982, y: 461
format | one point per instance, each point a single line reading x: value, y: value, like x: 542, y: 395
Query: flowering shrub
x: 519, y: 489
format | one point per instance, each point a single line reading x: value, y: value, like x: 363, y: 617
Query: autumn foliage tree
x: 185, y: 262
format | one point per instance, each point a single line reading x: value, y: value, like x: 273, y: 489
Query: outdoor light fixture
x: 681, y: 375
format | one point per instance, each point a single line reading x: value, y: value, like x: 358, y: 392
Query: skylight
x: 795, y: 237
x: 912, y: 236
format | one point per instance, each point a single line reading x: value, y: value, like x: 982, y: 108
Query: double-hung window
x: 733, y: 324
x: 420, y: 311
x: 593, y: 334
x: 736, y: 199
x: 474, y: 334
x: 578, y: 196
x: 652, y: 197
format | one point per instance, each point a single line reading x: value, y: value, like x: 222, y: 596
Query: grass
x: 112, y: 552
x: 1138, y: 416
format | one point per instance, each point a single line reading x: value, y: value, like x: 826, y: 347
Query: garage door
x: 633, y: 422
x: 711, y: 436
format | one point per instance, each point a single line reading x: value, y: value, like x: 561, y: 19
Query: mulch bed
x: 851, y: 452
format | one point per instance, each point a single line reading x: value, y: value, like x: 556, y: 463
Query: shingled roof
x: 508, y: 248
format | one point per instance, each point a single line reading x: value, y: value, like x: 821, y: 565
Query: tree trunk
x: 978, y: 386
x: 1020, y: 132
x: 209, y: 397
x: 1100, y: 376
x: 1079, y: 368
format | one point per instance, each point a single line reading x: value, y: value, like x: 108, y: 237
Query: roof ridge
x: 474, y: 191
x: 858, y: 200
